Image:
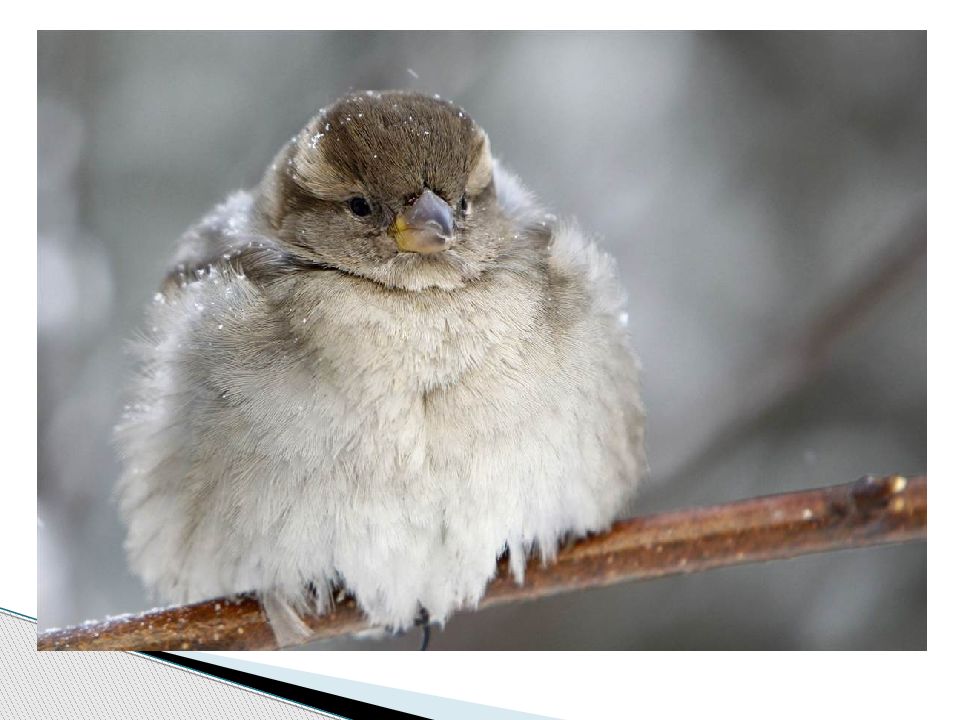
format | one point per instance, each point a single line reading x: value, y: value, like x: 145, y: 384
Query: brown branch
x: 871, y: 511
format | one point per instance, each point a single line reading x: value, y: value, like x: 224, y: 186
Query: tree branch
x: 870, y: 511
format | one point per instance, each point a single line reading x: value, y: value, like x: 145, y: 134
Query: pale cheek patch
x: 482, y: 171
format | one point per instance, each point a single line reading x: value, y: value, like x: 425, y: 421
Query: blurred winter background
x: 764, y: 194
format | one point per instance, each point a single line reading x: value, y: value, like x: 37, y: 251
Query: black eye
x: 464, y: 205
x: 359, y: 206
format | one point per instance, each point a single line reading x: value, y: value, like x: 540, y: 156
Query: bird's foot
x: 423, y: 622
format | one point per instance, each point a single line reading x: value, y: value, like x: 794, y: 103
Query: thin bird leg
x: 423, y: 621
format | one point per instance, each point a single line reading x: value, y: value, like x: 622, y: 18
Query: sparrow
x: 376, y: 372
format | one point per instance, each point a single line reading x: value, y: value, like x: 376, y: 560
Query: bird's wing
x: 228, y: 236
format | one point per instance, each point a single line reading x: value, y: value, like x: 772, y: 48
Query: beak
x: 424, y: 227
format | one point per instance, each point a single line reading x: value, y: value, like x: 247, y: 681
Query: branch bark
x: 870, y: 511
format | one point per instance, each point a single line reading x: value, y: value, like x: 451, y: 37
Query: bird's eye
x: 464, y: 205
x: 359, y: 206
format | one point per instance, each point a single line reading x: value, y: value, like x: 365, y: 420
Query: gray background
x: 763, y: 193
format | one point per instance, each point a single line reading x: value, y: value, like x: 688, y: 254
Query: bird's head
x: 394, y: 187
